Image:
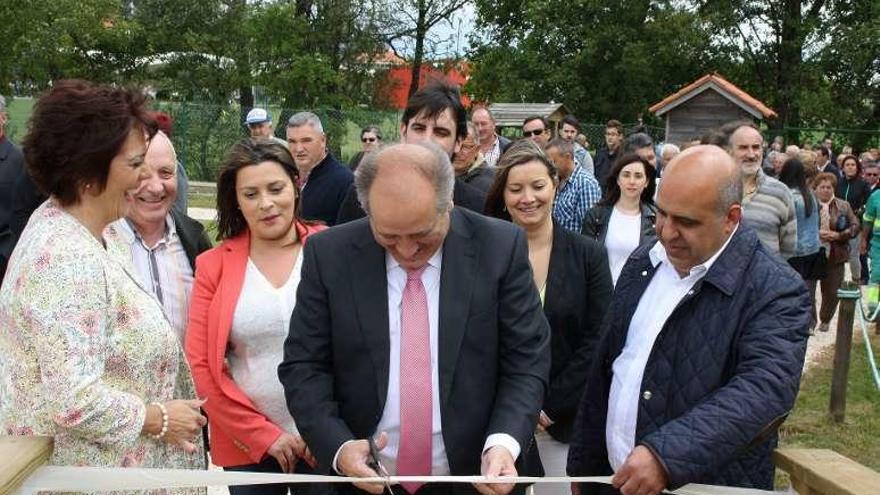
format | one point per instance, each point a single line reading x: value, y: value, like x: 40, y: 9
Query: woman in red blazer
x: 242, y: 299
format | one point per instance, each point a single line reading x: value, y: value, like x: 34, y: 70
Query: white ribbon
x: 91, y: 479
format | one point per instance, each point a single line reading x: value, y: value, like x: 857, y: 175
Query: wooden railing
x: 812, y: 472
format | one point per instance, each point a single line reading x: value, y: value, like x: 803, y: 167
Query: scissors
x: 377, y: 466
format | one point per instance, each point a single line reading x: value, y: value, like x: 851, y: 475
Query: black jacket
x: 577, y: 294
x: 192, y: 236
x: 493, y: 338
x: 11, y: 170
x: 325, y: 190
x: 481, y: 178
x: 463, y: 194
x: 854, y: 191
x: 723, y: 373
x: 602, y: 165
x: 596, y: 223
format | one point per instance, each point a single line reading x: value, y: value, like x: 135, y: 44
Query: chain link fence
x: 203, y: 132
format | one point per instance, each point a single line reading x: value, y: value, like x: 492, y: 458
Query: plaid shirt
x: 575, y: 197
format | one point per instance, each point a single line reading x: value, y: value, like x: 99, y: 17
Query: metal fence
x: 203, y: 132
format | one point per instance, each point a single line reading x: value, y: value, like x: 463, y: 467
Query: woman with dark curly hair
x: 243, y: 297
x: 88, y: 356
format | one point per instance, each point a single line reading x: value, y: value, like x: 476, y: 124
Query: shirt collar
x: 658, y: 255
x: 434, y: 261
x: 133, y: 235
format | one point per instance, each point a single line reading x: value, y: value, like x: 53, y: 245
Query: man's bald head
x: 698, y: 205
x: 714, y: 165
x: 161, y: 148
x: 401, y: 166
x: 406, y: 190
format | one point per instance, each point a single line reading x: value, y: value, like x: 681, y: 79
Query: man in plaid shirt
x: 578, y: 189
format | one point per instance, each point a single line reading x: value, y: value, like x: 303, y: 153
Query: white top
x: 665, y: 291
x: 621, y: 239
x: 164, y: 269
x: 259, y: 327
x: 390, y: 420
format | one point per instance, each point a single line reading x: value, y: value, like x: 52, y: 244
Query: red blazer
x: 240, y: 434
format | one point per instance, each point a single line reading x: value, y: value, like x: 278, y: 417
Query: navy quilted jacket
x: 722, y: 376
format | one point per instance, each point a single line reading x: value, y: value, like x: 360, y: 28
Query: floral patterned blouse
x: 84, y: 348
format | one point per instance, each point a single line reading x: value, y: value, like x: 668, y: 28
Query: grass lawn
x: 201, y: 201
x: 810, y: 426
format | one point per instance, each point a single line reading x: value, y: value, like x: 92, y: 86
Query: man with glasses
x: 371, y: 138
x: 537, y: 129
x: 606, y: 156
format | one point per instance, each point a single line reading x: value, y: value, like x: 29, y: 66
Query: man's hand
x: 352, y: 461
x: 641, y: 474
x: 497, y: 461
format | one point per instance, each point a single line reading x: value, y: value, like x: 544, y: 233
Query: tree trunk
x: 419, y: 53
x: 788, y: 66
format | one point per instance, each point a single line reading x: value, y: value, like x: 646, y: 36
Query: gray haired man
x: 324, y: 181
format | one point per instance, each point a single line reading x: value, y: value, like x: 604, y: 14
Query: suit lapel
x: 369, y: 281
x: 456, y: 283
x: 556, y: 269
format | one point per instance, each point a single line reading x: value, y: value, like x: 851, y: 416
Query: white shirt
x: 621, y: 239
x: 390, y: 420
x: 163, y: 269
x: 259, y: 326
x: 665, y: 291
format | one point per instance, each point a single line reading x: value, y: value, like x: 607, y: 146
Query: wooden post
x: 21, y: 457
x: 848, y: 295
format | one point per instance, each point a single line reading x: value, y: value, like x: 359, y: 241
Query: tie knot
x: 415, y: 274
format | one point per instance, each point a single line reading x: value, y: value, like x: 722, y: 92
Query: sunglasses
x: 369, y: 140
x: 536, y: 132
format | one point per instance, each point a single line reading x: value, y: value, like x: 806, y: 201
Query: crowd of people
x: 455, y: 303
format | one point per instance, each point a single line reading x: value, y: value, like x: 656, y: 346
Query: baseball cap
x: 257, y: 116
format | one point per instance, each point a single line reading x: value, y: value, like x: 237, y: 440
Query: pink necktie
x: 414, y: 451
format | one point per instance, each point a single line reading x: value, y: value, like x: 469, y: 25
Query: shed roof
x: 726, y: 88
x: 513, y: 114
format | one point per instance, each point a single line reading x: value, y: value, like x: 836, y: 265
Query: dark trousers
x: 829, y: 285
x: 270, y: 465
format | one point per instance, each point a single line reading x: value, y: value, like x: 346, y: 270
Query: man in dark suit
x: 419, y: 306
x: 11, y: 167
x: 434, y: 114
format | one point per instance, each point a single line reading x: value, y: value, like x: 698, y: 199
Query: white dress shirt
x: 390, y: 420
x: 164, y: 269
x: 665, y: 291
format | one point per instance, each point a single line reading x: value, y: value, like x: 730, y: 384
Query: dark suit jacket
x: 494, y: 354
x: 11, y: 167
x: 463, y: 194
x: 577, y: 294
x: 192, y: 236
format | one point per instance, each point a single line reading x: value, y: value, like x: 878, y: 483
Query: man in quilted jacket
x: 702, y: 349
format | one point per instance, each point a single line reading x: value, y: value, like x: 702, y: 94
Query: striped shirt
x: 575, y: 197
x: 163, y: 269
x: 770, y: 213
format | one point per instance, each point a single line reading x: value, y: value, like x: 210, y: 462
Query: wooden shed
x: 705, y: 104
x: 513, y: 114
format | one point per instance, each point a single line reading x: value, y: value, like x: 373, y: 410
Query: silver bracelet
x: 164, y: 430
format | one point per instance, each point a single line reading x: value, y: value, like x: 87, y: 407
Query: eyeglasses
x: 369, y: 140
x: 536, y: 132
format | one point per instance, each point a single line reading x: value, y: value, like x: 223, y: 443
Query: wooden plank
x: 22, y: 456
x: 825, y: 472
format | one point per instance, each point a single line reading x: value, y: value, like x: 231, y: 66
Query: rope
x: 871, y: 361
